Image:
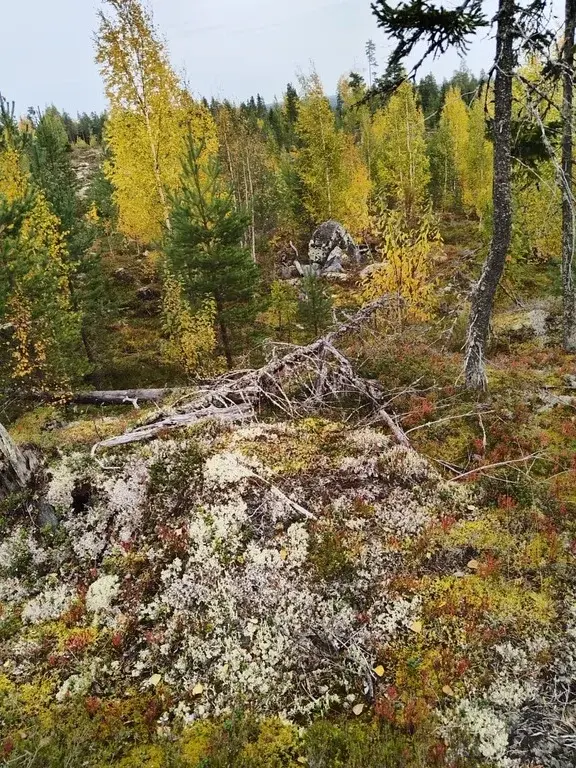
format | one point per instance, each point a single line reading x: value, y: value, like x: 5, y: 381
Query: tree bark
x: 224, y: 335
x: 568, y: 212
x: 485, y: 290
x: 16, y: 468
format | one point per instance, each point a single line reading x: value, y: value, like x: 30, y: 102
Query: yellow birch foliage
x: 44, y: 348
x: 537, y: 231
x: 400, y: 161
x: 13, y: 179
x: 333, y: 174
x: 191, y: 336
x: 29, y: 347
x: 150, y: 117
x: 479, y: 170
x: 407, y: 263
x: 455, y: 123
x: 282, y: 312
x: 537, y: 198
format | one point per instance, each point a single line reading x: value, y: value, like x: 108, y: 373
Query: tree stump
x: 16, y: 466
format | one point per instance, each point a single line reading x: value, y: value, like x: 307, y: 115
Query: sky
x: 225, y: 48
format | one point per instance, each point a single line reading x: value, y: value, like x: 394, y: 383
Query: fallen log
x: 120, y: 397
x: 297, y: 382
x: 148, y: 431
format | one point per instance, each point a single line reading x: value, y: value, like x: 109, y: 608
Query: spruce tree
x: 204, y: 246
x: 42, y: 348
x: 430, y: 99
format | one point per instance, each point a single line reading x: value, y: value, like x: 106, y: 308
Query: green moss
x: 311, y: 445
x: 72, y: 427
x: 196, y: 743
x: 359, y: 745
x: 151, y: 756
x: 23, y: 704
x: 277, y: 746
x: 482, y: 535
x: 496, y: 600
x: 329, y: 557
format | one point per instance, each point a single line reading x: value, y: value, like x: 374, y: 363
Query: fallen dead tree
x: 297, y: 382
x: 105, y: 397
x: 120, y: 397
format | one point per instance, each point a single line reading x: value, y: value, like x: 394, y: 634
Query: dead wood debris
x: 297, y: 382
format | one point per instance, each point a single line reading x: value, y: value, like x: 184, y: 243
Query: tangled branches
x: 295, y: 383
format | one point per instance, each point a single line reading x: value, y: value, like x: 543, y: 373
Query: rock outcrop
x: 330, y: 247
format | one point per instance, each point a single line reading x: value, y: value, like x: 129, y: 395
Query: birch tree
x: 334, y: 177
x: 150, y: 117
x: 400, y: 161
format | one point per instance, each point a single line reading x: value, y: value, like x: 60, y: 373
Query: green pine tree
x: 51, y: 168
x: 204, y: 247
x: 315, y: 305
x: 49, y: 155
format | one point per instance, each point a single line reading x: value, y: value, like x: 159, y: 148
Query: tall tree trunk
x: 568, y: 211
x: 485, y: 290
x: 252, y: 209
x: 224, y: 335
x: 157, y: 175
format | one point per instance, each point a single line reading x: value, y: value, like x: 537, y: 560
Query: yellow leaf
x: 416, y: 627
x: 358, y: 709
x: 473, y: 565
x: 448, y: 691
x: 155, y: 679
x: 302, y: 760
x: 283, y: 554
x: 379, y: 670
x: 198, y: 690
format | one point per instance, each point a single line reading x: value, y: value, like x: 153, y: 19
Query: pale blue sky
x: 226, y: 48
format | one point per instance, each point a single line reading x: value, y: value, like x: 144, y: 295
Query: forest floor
x: 307, y: 592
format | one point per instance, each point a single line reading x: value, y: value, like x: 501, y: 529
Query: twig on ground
x: 446, y: 418
x: 480, y: 470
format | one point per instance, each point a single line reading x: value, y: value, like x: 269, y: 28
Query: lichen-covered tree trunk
x: 15, y: 467
x: 568, y: 210
x: 485, y: 290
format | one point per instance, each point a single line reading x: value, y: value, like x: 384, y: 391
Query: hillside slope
x: 305, y: 570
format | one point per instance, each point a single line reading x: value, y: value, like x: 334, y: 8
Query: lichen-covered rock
x: 331, y: 245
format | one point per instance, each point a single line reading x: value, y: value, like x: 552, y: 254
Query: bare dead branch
x: 319, y: 370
